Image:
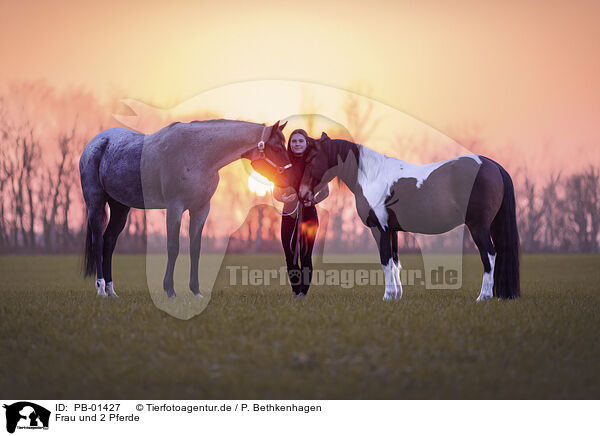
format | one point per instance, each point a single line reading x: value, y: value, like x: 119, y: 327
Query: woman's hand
x: 285, y: 195
x: 322, y: 194
x: 287, y: 198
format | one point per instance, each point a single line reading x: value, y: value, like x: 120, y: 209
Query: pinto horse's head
x: 270, y: 158
x: 316, y: 169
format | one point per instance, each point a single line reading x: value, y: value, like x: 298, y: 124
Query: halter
x: 263, y: 156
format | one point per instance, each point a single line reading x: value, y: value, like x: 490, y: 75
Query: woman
x: 299, y: 222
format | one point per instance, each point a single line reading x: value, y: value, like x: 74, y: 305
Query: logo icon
x: 26, y: 415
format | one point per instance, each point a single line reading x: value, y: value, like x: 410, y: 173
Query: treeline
x: 42, y: 134
x: 562, y: 214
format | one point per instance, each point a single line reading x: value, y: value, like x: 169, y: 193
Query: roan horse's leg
x: 197, y: 219
x: 118, y: 218
x: 174, y: 213
x: 384, y: 242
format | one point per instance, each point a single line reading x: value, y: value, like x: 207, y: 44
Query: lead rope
x: 297, y: 232
x: 298, y: 209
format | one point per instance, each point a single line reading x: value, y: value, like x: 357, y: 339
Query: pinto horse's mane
x: 341, y: 148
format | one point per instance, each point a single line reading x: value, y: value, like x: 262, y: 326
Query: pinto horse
x: 177, y: 169
x: 393, y: 195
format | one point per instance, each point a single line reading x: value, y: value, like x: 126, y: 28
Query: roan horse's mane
x: 216, y: 121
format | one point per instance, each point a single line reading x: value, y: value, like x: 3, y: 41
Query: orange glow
x: 309, y: 229
x: 259, y: 184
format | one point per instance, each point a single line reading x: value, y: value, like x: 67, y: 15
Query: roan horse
x: 176, y: 168
x: 393, y: 195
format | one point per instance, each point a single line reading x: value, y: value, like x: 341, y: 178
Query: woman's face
x: 298, y: 143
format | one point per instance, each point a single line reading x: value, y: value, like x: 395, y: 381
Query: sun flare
x: 258, y: 184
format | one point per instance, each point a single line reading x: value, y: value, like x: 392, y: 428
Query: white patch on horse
x: 110, y: 290
x: 487, y: 285
x: 393, y: 288
x: 377, y: 173
x: 101, y: 287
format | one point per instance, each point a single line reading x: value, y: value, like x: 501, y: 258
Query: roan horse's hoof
x: 170, y: 293
x: 110, y: 290
x: 196, y: 291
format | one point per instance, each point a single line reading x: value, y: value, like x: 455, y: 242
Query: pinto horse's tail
x: 505, y: 236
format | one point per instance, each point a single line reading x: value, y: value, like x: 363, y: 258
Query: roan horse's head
x: 316, y: 172
x: 270, y: 158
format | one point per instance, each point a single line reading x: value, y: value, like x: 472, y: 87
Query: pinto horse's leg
x: 174, y: 213
x: 397, y: 265
x: 384, y: 243
x: 482, y: 238
x: 118, y: 218
x: 197, y: 219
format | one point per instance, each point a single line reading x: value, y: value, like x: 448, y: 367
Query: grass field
x: 58, y: 340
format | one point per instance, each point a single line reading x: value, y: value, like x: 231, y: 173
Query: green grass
x: 58, y: 340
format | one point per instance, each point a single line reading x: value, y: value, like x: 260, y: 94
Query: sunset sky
x: 519, y: 73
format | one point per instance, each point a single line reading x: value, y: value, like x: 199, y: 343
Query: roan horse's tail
x: 89, y: 167
x: 506, y: 240
x: 90, y: 260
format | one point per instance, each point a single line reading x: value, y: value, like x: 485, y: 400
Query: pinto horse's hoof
x: 101, y: 288
x: 110, y: 290
x: 388, y: 297
x: 171, y: 293
x: 484, y: 298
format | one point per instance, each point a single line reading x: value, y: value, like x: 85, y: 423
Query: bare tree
x: 583, y: 208
x: 3, y: 177
x: 533, y: 210
x: 309, y: 108
x: 20, y: 163
x: 359, y: 118
x: 54, y: 190
x: 553, y: 217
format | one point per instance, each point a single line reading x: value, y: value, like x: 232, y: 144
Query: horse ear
x: 324, y: 136
x: 283, y: 126
x: 274, y: 128
x: 316, y: 144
